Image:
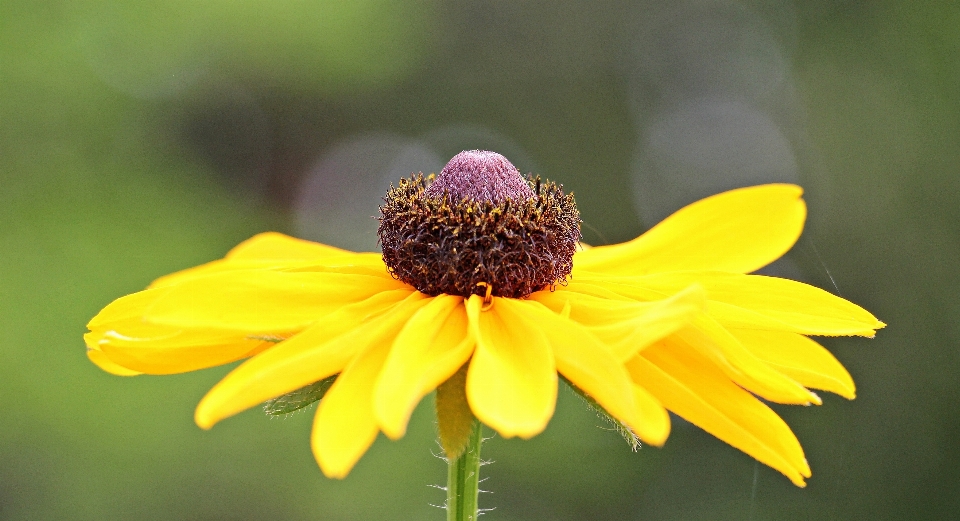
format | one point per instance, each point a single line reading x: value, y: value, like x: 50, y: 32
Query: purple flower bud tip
x: 482, y: 176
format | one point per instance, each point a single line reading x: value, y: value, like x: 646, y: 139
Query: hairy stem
x: 463, y: 479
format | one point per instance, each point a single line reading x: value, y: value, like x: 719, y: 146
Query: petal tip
x: 332, y: 472
x: 392, y: 430
x: 103, y: 362
x: 203, y: 421
x: 524, y: 432
x: 799, y: 478
x: 657, y: 441
x: 815, y: 399
x: 204, y: 415
x: 334, y: 466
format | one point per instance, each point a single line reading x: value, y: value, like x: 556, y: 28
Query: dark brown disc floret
x: 479, y: 225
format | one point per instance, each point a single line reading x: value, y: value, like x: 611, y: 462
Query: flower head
x: 479, y: 228
x: 482, y: 294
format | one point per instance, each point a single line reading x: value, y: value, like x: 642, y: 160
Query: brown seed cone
x: 439, y: 245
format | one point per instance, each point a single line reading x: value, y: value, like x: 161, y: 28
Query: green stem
x: 463, y: 479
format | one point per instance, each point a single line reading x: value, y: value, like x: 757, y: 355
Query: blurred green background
x: 141, y: 138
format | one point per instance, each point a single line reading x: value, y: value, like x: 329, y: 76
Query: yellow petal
x: 584, y: 360
x: 597, y: 305
x: 99, y: 358
x: 799, y: 305
x: 121, y: 334
x: 154, y: 349
x: 740, y: 230
x: 213, y: 267
x: 351, y: 263
x: 710, y: 339
x: 741, y: 318
x: 125, y: 308
x: 627, y: 326
x: 512, y: 379
x: 345, y: 425
x: 273, y: 245
x: 268, y: 250
x: 258, y: 301
x: 429, y: 349
x: 92, y: 340
x: 693, y: 388
x: 654, y: 422
x: 322, y: 350
x: 614, y: 288
x: 800, y: 358
x: 356, y: 263
x: 706, y: 335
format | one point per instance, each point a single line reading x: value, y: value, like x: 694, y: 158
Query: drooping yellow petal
x: 101, y: 360
x: 274, y: 251
x: 262, y: 301
x: 352, y: 263
x: 741, y: 231
x: 594, y: 305
x: 345, y: 425
x: 322, y: 350
x: 704, y: 334
x: 156, y: 349
x: 741, y: 318
x: 427, y: 351
x: 627, y: 326
x: 584, y: 360
x: 654, y: 422
x: 273, y: 245
x: 348, y: 263
x: 615, y: 288
x: 800, y: 358
x: 795, y: 303
x: 217, y: 266
x: 512, y: 379
x: 693, y: 388
x: 128, y: 307
x: 710, y: 339
x: 588, y: 308
x: 122, y: 336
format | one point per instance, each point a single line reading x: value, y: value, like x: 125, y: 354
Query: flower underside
x: 512, y: 247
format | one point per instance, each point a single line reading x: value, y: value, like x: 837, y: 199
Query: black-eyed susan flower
x: 483, y: 293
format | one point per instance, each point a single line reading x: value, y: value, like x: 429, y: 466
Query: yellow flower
x: 668, y: 321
